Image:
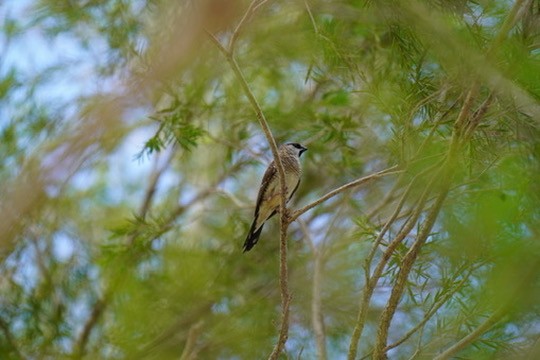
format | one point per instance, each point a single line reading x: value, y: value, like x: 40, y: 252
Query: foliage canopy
x: 131, y: 150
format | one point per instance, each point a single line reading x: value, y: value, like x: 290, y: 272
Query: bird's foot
x: 287, y: 215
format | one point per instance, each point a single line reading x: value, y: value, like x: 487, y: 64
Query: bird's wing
x: 295, y: 188
x: 269, y: 175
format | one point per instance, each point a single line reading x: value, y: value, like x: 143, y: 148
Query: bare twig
x: 311, y: 17
x: 477, y: 117
x: 388, y: 198
x: 284, y: 213
x: 434, y: 308
x: 193, y: 334
x: 390, y: 171
x: 316, y: 307
x: 97, y: 311
x: 406, y: 266
x: 467, y: 340
x: 191, y: 321
x: 156, y: 174
x: 253, y: 7
x: 317, y: 318
x: 371, y: 281
x: 514, y: 291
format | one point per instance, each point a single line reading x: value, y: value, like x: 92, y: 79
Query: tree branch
x: 371, y: 282
x: 331, y: 194
x: 253, y: 7
x: 284, y: 213
x: 317, y: 317
x: 469, y: 339
x: 406, y: 266
x: 193, y: 334
x: 434, y: 308
x: 97, y: 311
x: 10, y: 340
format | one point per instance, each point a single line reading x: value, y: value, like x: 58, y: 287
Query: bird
x: 268, y: 198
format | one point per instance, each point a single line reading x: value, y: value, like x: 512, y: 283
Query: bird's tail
x: 253, y: 236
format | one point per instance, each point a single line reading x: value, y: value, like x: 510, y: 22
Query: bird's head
x: 294, y: 148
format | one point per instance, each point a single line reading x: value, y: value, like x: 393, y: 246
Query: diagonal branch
x: 97, y: 311
x: 434, y: 308
x: 10, y: 339
x: 467, y: 340
x: 390, y: 171
x: 402, y: 276
x: 371, y: 282
x: 253, y: 7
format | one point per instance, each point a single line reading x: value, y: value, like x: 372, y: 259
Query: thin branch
x: 511, y: 19
x: 461, y: 132
x: 434, y: 308
x: 203, y: 194
x: 193, y: 334
x: 477, y: 117
x: 308, y: 8
x: 406, y: 266
x: 388, y: 198
x: 317, y: 318
x: 372, y: 281
x: 10, y: 339
x: 156, y: 174
x: 357, y: 182
x: 283, y: 211
x: 191, y: 321
x: 469, y: 339
x: 97, y: 311
x: 253, y: 7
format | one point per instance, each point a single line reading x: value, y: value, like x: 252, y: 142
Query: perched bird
x: 268, y: 200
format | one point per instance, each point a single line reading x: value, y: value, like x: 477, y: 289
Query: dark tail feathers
x: 252, y: 237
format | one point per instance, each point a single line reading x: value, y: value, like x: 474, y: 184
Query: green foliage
x: 119, y: 259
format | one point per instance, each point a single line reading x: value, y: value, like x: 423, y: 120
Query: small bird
x: 268, y: 200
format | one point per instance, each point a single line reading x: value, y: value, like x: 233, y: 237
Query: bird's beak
x: 302, y: 150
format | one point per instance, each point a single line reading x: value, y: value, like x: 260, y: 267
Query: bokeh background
x: 130, y: 158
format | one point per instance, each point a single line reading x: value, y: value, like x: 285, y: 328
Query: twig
x: 152, y: 185
x: 482, y: 328
x: 97, y: 311
x: 203, y: 194
x: 316, y: 308
x: 253, y: 7
x: 477, y: 116
x: 371, y: 282
x: 406, y: 266
x: 388, y: 198
x: 516, y: 290
x: 460, y: 132
x: 10, y: 340
x: 284, y: 213
x: 357, y: 182
x: 189, y: 321
x: 193, y: 334
x: 434, y: 308
x: 308, y: 8
x: 151, y: 191
x: 317, y: 318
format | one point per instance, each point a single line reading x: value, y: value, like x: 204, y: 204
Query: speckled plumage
x: 268, y: 199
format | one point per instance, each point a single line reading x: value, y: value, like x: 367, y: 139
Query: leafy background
x: 131, y: 157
